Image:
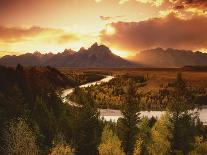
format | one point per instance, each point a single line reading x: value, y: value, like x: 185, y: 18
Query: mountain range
x: 170, y: 58
x: 101, y: 56
x: 95, y: 56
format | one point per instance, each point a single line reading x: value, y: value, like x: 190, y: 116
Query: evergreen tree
x: 88, y: 126
x: 183, y: 120
x: 127, y: 126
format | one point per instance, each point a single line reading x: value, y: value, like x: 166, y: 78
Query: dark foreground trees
x: 127, y: 126
x: 88, y: 126
x: 182, y: 117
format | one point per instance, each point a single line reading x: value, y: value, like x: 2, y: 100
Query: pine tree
x: 88, y: 126
x: 127, y: 126
x: 183, y: 120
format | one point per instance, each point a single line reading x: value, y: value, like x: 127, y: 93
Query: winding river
x: 113, y: 115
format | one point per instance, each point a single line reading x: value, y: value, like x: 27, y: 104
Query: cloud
x: 198, y: 7
x: 166, y: 32
x: 105, y: 18
x: 67, y: 38
x: 202, y: 4
x: 50, y: 35
x: 110, y: 18
x: 153, y: 2
x: 42, y: 39
x: 18, y: 34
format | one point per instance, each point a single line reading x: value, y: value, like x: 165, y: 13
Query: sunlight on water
x: 114, y: 115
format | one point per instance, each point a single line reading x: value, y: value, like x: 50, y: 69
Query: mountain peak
x: 101, y: 50
x: 68, y: 51
x: 94, y: 45
x: 37, y: 53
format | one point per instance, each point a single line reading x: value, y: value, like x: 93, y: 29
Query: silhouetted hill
x: 95, y: 56
x: 33, y: 80
x: 170, y: 58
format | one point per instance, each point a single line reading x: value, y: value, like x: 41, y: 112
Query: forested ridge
x: 34, y: 120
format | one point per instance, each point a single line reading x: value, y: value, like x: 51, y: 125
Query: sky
x: 126, y: 26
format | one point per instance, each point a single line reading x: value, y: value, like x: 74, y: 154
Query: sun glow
x: 110, y: 30
x: 121, y: 53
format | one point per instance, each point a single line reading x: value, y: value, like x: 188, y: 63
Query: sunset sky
x: 126, y: 26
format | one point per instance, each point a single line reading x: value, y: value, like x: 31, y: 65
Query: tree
x: 144, y: 137
x: 61, y: 147
x: 110, y: 143
x: 128, y: 124
x: 19, y: 68
x: 183, y: 120
x: 19, y: 139
x: 200, y: 147
x: 162, y: 136
x: 88, y: 126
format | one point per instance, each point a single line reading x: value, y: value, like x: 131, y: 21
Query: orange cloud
x: 18, y: 34
x: 42, y: 39
x: 197, y: 7
x: 202, y: 4
x: 153, y: 2
x: 166, y: 32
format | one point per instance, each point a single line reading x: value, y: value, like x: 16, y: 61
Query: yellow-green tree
x: 61, y: 149
x: 162, y: 136
x: 110, y: 143
x: 19, y: 139
x: 143, y: 138
x: 200, y: 147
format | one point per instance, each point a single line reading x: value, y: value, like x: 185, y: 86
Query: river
x: 113, y: 115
